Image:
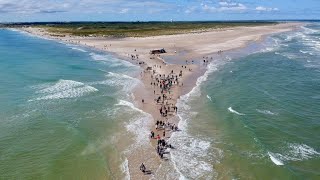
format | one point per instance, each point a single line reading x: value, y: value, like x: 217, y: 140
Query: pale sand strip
x: 194, y: 46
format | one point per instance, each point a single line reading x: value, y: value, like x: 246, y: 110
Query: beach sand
x: 193, y: 46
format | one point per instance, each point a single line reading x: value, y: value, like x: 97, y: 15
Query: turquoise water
x: 59, y: 109
x: 256, y: 116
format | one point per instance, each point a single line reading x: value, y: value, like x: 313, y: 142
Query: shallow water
x: 59, y: 109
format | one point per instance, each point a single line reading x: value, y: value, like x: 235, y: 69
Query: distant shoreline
x: 196, y: 47
x: 135, y: 29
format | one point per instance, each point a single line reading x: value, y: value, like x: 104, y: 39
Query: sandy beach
x: 168, y: 75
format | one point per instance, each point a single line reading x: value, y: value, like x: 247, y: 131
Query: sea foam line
x: 110, y: 60
x: 188, y: 160
x: 125, y: 169
x: 293, y: 152
x: 235, y: 112
x: 267, y: 112
x: 63, y: 89
x: 276, y: 161
x: 139, y: 125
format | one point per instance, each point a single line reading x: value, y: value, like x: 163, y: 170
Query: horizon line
x: 138, y: 21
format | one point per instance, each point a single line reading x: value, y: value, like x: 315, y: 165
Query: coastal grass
x: 139, y: 29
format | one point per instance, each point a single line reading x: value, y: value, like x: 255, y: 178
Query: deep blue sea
x: 255, y: 113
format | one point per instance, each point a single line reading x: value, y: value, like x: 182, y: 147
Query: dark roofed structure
x: 158, y: 51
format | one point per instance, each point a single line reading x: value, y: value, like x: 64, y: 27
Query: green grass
x: 140, y: 29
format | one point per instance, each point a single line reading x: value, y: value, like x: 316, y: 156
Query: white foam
x: 307, y: 52
x: 289, y: 55
x: 304, y: 52
x: 120, y: 80
x: 131, y: 105
x: 121, y: 76
x: 193, y: 157
x: 196, y: 90
x: 294, y: 152
x: 276, y: 161
x: 301, y: 151
x: 125, y: 169
x: 78, y: 49
x: 138, y: 125
x: 61, y: 85
x: 309, y: 30
x: 64, y: 89
x: 110, y: 60
x: 235, y: 112
x: 267, y: 112
x: 275, y: 45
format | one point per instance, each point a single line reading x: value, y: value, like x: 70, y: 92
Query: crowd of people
x: 163, y: 85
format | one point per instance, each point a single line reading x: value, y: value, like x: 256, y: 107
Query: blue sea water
x: 59, y: 109
x: 255, y: 114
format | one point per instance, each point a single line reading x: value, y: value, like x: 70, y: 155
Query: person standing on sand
x: 143, y: 168
x: 164, y: 133
x: 142, y: 101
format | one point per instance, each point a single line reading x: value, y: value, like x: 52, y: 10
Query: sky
x: 156, y: 10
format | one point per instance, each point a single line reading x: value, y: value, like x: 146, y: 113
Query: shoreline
x: 190, y: 77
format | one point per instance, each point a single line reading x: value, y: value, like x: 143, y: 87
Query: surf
x: 235, y: 112
x: 63, y: 89
x: 276, y: 161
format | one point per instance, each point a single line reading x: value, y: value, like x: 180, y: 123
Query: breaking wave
x: 138, y: 125
x: 266, y: 112
x: 123, y: 81
x: 111, y: 61
x: 63, y: 89
x: 273, y: 158
x: 235, y: 112
x: 193, y: 156
x: 293, y: 152
x: 78, y: 49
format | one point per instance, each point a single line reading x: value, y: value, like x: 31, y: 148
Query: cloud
x: 190, y: 10
x: 83, y: 6
x: 209, y: 8
x: 123, y: 11
x: 225, y: 6
x: 224, y: 3
x: 32, y: 6
x: 261, y: 8
x: 233, y: 7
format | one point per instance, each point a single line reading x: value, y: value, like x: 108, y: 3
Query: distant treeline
x: 136, y: 29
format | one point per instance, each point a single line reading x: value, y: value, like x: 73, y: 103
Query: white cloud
x: 261, y: 8
x: 225, y: 6
x: 233, y: 7
x: 123, y: 11
x: 83, y: 6
x: 224, y: 3
x: 190, y: 10
x: 209, y: 8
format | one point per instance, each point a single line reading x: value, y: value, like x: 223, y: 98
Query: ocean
x: 60, y: 109
x: 65, y: 111
x: 255, y: 114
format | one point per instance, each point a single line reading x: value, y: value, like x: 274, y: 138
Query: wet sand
x: 179, y: 48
